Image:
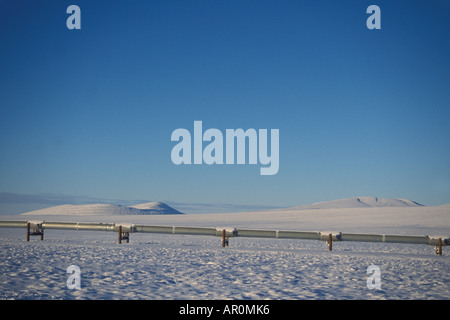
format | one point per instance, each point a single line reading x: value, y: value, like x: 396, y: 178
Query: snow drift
x: 150, y: 208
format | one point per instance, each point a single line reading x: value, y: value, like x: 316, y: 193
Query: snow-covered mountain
x: 359, y: 202
x: 150, y: 208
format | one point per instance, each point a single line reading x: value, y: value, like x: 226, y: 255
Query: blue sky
x: 361, y: 112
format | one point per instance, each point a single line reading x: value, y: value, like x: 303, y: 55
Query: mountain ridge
x: 101, y: 209
x: 359, y: 202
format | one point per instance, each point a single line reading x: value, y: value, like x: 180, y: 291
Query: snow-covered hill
x: 150, y: 208
x: 156, y: 208
x: 359, y: 202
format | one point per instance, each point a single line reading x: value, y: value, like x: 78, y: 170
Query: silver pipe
x: 153, y: 229
x: 256, y: 233
x: 13, y: 224
x: 195, y: 231
x: 79, y: 226
x: 60, y: 225
x: 298, y: 235
x: 385, y: 238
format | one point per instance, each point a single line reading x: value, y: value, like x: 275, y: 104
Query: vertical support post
x: 439, y: 247
x: 120, y: 234
x: 330, y: 242
x: 224, y: 238
x: 28, y: 231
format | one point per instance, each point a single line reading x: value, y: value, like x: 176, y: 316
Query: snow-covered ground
x: 159, y: 266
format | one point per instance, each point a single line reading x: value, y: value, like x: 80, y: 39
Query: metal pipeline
x: 232, y: 232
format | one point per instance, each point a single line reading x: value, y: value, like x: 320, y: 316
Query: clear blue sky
x: 360, y: 112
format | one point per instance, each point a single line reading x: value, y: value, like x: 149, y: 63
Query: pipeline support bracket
x: 35, y: 228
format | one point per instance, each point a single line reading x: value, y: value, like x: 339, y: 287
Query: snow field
x: 158, y: 266
x: 164, y: 266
